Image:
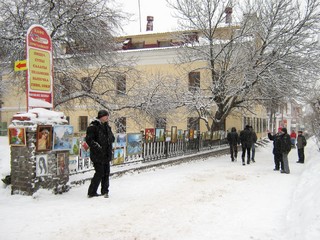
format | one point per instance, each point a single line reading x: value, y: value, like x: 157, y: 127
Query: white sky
x: 200, y: 200
x: 163, y: 20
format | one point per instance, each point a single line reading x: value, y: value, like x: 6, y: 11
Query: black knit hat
x: 284, y: 130
x: 102, y: 113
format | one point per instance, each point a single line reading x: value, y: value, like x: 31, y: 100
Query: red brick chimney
x: 228, y: 12
x: 150, y: 23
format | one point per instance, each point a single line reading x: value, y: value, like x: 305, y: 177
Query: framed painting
x: 150, y: 135
x: 168, y: 136
x: 121, y: 140
x: 17, y: 136
x: 134, y: 144
x: 180, y: 134
x: 62, y: 167
x: 174, y: 134
x: 44, y: 138
x: 186, y: 135
x: 118, y: 156
x: 160, y: 135
x: 75, y: 148
x: 62, y: 137
x: 191, y: 134
x: 42, y: 165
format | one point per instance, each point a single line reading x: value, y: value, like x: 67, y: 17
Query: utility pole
x: 139, y: 14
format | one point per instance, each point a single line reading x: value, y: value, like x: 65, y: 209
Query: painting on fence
x: 44, y: 138
x: 118, y: 156
x: 42, y: 165
x: 73, y: 164
x: 149, y: 135
x: 180, y: 134
x: 186, y: 135
x: 17, y: 136
x: 62, y: 137
x: 160, y: 135
x: 120, y: 141
x: 134, y: 144
x: 174, y: 134
x: 75, y: 146
x: 191, y: 134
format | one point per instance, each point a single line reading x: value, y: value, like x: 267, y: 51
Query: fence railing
x: 151, y: 152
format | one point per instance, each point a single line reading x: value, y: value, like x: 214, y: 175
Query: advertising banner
x: 40, y: 68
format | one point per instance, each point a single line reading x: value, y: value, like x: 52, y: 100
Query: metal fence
x: 151, y: 152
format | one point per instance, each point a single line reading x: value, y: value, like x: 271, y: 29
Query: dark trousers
x: 244, y: 150
x: 233, y: 151
x: 278, y: 161
x: 301, y: 155
x: 101, y: 175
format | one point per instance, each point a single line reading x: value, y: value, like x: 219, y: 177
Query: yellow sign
x: 39, y: 70
x: 20, y: 65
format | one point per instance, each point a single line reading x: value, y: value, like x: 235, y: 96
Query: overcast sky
x: 163, y: 20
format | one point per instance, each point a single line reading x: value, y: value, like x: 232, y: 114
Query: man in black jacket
x: 285, y: 149
x: 246, y: 139
x: 233, y: 140
x: 276, y: 150
x: 100, y: 138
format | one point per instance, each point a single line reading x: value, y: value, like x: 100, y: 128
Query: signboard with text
x: 40, y: 68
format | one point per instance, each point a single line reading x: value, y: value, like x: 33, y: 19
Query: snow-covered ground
x: 203, y: 199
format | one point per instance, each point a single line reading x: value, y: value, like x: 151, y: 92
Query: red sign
x: 40, y: 68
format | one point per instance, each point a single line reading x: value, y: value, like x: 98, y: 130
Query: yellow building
x: 154, y: 54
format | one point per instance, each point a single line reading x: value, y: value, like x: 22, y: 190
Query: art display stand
x: 32, y: 169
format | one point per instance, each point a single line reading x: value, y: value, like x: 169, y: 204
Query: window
x: 161, y: 123
x: 164, y: 43
x: 86, y: 84
x: 193, y: 123
x: 194, y: 81
x: 83, y: 123
x: 121, y: 125
x: 121, y: 85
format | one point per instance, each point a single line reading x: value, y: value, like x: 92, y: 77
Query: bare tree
x: 86, y: 65
x: 269, y: 52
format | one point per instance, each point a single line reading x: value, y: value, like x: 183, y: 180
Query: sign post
x: 40, y: 68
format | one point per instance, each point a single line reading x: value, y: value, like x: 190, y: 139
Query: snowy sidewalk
x: 206, y: 199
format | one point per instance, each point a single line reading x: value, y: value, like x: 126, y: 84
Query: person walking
x: 253, y: 147
x: 285, y: 141
x: 246, y: 143
x: 233, y: 140
x: 301, y: 143
x: 100, y: 138
x: 276, y: 150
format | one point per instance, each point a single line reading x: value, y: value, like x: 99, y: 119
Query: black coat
x: 100, y: 138
x: 246, y: 138
x: 285, y: 143
x: 233, y: 138
x: 276, y: 143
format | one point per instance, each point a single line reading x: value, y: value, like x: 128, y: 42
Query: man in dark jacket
x: 246, y: 143
x: 100, y: 138
x: 276, y: 149
x: 301, y: 143
x: 285, y: 149
x: 233, y: 140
